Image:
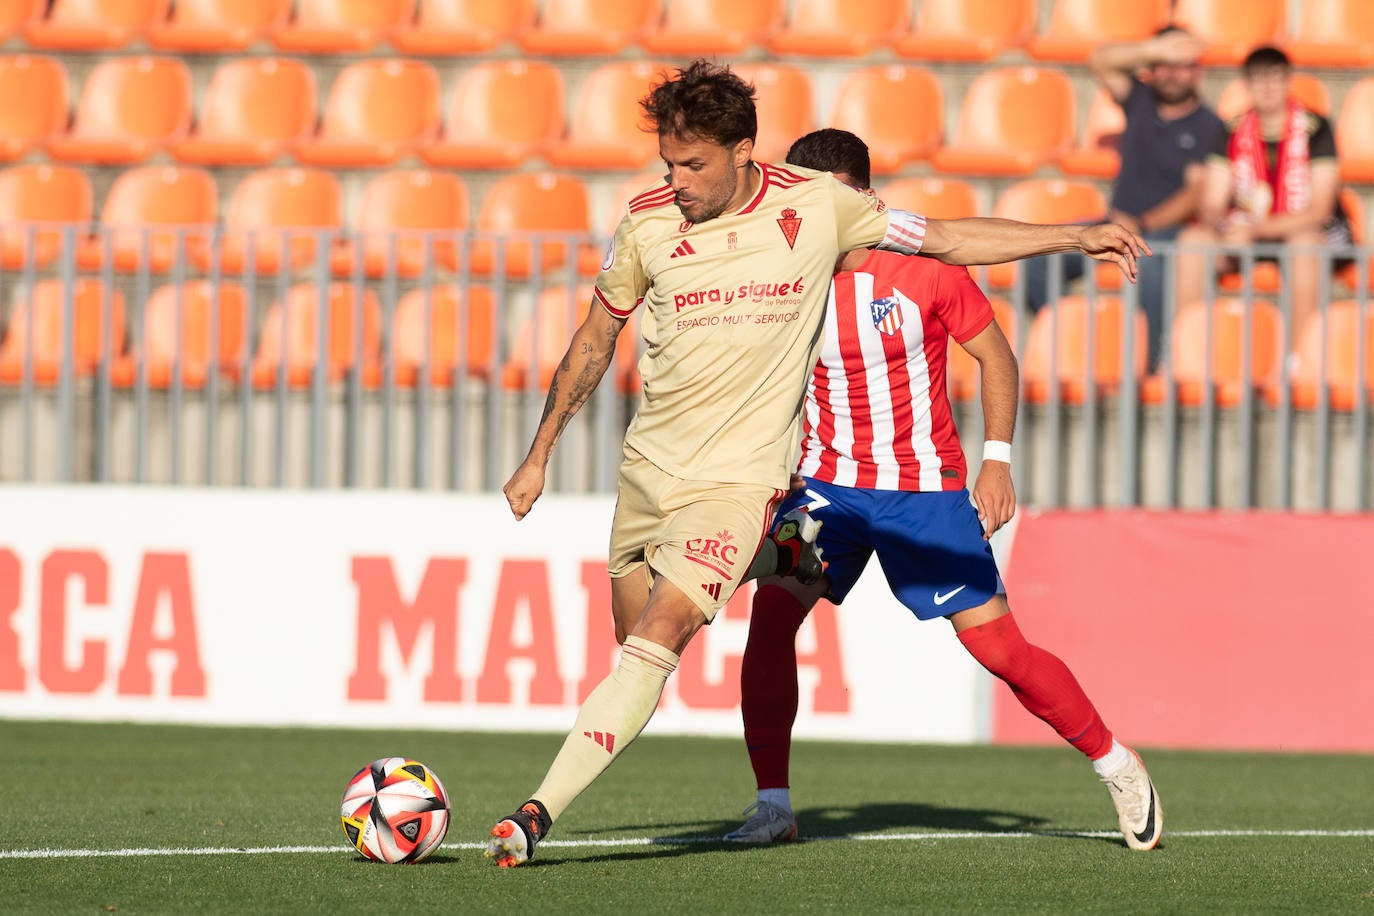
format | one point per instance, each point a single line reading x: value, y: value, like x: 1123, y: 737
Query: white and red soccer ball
x: 395, y: 810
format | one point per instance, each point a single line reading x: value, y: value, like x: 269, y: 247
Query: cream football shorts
x: 700, y: 535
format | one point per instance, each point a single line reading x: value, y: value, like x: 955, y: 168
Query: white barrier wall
x: 407, y: 610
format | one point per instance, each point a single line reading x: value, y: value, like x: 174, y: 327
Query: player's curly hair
x: 703, y: 101
x: 832, y: 150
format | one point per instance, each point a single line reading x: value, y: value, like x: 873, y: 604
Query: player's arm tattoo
x: 586, y: 361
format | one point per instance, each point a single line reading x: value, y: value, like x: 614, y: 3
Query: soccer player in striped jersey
x: 884, y: 471
x: 732, y: 261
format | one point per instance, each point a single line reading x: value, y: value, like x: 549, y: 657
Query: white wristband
x: 994, y: 450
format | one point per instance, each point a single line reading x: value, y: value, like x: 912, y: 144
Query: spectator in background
x: 1272, y: 177
x: 1169, y: 131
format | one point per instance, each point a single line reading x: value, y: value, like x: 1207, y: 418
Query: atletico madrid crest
x: 887, y: 314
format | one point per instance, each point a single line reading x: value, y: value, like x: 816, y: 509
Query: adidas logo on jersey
x: 683, y: 249
x: 712, y: 589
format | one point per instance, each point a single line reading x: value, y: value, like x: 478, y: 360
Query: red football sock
x: 1042, y: 683
x: 768, y: 682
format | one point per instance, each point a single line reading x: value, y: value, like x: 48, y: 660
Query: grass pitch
x: 143, y: 819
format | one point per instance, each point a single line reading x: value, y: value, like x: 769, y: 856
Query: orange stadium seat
x: 692, y: 28
x: 42, y: 316
x: 786, y: 107
x: 130, y: 108
x: 541, y: 338
x: 455, y: 333
x: 218, y: 26
x: 589, y: 28
x: 607, y: 129
x: 932, y: 196
x: 1333, y: 33
x: 1076, y: 27
x: 501, y: 113
x: 1355, y: 132
x: 255, y: 109
x: 290, y: 334
x: 963, y: 378
x: 41, y: 208
x: 338, y: 26
x: 37, y: 97
x: 841, y: 28
x: 15, y: 14
x: 276, y: 219
x: 177, y: 323
x: 1190, y: 343
x: 445, y: 27
x: 153, y: 217
x: 1063, y: 328
x: 1310, y: 90
x: 967, y: 30
x: 1232, y: 28
x: 406, y: 217
x: 377, y: 112
x: 1046, y: 200
x: 1330, y: 356
x: 865, y: 103
x: 528, y: 203
x: 1012, y: 120
x: 93, y: 25
x: 1096, y: 154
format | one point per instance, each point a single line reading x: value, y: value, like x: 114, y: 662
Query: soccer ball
x: 395, y: 810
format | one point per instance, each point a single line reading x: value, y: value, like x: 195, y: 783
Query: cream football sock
x: 612, y: 716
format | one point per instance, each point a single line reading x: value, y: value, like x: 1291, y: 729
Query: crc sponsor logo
x: 715, y: 553
x: 745, y: 292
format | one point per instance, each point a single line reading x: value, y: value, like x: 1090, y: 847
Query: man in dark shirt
x: 1169, y: 131
x: 1271, y: 176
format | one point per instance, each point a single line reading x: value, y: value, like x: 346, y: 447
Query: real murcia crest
x: 790, y: 224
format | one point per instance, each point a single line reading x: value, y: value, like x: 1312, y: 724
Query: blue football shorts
x: 930, y: 545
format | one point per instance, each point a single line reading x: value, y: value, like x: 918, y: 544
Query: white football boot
x: 765, y: 822
x: 1137, y: 804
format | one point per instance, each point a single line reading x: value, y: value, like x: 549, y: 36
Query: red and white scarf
x: 1257, y: 191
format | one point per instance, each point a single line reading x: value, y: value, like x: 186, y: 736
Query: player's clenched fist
x: 524, y: 488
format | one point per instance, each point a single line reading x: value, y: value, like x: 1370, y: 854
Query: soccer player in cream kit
x: 732, y: 260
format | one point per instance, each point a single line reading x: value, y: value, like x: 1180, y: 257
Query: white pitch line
x: 137, y: 852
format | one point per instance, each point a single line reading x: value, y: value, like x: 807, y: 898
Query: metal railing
x: 178, y: 357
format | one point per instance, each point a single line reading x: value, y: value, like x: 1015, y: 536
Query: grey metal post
x: 319, y: 377
x: 176, y: 391
x: 1209, y: 394
x: 66, y: 380
x: 1288, y: 333
x: 353, y: 424
x: 215, y: 368
x: 141, y: 293
x: 103, y: 394
x: 26, y: 385
x: 282, y: 386
x: 1053, y: 405
x: 1128, y: 432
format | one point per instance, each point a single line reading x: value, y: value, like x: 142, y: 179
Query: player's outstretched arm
x: 986, y: 240
x: 589, y: 356
x: 993, y: 492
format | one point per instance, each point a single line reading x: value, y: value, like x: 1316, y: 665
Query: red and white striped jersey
x: 877, y: 411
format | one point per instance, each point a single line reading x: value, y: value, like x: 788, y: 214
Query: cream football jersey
x: 734, y: 316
